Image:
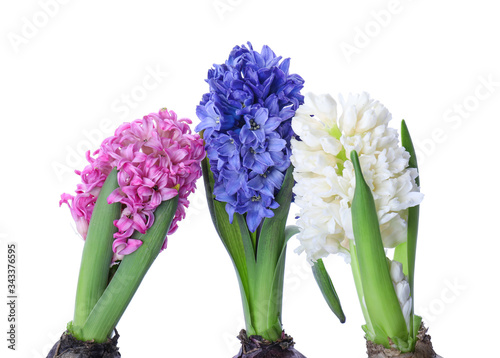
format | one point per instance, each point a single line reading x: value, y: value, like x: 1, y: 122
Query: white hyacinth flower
x: 402, y: 288
x: 325, y: 179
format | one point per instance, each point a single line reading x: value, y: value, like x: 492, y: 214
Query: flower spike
x: 246, y: 125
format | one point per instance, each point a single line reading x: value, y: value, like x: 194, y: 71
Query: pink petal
x: 119, y: 245
x: 82, y: 226
x: 116, y: 196
x: 168, y: 193
x: 132, y: 245
x: 140, y: 224
x: 164, y: 246
x: 65, y: 199
x: 145, y: 191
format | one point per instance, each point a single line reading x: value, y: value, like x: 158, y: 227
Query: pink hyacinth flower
x: 157, y: 158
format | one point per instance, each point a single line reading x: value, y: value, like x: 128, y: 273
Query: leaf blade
x: 413, y: 218
x: 120, y: 291
x: 271, y: 244
x: 97, y: 252
x: 231, y: 237
x: 327, y: 289
x: 381, y: 300
x: 276, y: 298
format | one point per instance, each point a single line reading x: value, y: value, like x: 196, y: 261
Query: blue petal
x: 230, y: 212
x: 258, y: 167
x: 264, y: 158
x: 272, y: 104
x: 256, y: 183
x: 248, y: 160
x: 275, y: 177
x: 261, y: 115
x: 253, y: 220
x: 275, y: 144
x: 285, y: 65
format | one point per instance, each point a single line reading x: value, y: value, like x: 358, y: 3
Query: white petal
x: 403, y: 291
x: 397, y: 274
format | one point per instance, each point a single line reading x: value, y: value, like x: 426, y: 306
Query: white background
x: 67, y: 71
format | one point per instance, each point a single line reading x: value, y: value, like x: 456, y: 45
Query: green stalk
x: 381, y: 300
x: 115, y: 299
x: 97, y: 252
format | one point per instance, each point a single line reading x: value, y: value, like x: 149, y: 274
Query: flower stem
x: 97, y: 252
x: 115, y: 299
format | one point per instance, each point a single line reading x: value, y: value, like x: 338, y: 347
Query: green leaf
x: 271, y: 243
x: 417, y: 321
x: 208, y: 182
x: 231, y: 236
x: 247, y: 240
x: 115, y: 299
x: 408, y: 145
x: 368, y: 328
x: 381, y: 300
x: 272, y: 234
x: 413, y: 216
x: 290, y: 231
x: 326, y: 286
x: 97, y: 252
x: 276, y: 296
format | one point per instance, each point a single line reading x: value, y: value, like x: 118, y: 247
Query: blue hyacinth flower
x: 246, y: 123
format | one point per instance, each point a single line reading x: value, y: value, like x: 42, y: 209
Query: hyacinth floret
x: 246, y: 123
x: 157, y: 158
